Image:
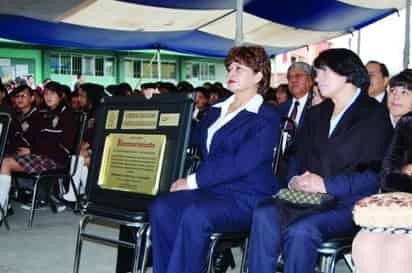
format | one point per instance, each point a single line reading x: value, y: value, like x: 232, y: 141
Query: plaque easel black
x: 167, y: 114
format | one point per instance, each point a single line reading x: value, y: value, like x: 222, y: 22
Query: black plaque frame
x: 175, y: 152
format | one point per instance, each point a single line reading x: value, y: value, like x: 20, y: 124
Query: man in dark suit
x: 332, y: 157
x: 379, y: 79
x: 300, y: 77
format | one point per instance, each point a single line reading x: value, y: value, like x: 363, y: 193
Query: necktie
x: 290, y: 126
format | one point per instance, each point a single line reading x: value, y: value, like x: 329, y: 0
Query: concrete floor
x: 49, y: 246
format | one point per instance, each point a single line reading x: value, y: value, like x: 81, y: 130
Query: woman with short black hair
x: 338, y: 147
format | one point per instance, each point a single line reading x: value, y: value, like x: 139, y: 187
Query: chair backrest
x: 5, y: 120
x: 127, y: 132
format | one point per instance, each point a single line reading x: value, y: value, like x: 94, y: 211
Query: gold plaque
x: 169, y: 119
x: 141, y: 119
x: 111, y: 119
x: 132, y: 162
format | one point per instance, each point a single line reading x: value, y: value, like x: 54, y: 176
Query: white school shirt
x: 253, y: 105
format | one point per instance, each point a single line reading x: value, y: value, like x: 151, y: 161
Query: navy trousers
x: 182, y: 223
x: 298, y: 242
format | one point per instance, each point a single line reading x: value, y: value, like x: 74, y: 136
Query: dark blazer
x: 350, y: 159
x: 241, y: 153
x: 24, y: 129
x: 56, y: 135
x: 398, y: 155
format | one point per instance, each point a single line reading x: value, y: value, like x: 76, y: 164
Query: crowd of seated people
x: 335, y: 107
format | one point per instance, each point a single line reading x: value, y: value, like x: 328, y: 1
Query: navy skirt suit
x: 235, y: 174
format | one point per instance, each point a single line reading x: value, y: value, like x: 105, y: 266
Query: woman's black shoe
x: 223, y: 260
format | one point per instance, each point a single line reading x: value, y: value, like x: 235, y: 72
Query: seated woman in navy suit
x: 339, y: 145
x: 236, y: 137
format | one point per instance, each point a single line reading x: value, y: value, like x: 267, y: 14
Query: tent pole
x: 239, y: 23
x: 407, y: 34
x: 358, y: 48
x: 159, y: 71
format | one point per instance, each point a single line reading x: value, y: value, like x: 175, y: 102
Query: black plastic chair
x: 63, y: 173
x: 5, y: 120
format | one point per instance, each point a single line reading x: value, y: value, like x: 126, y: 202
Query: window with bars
x: 76, y: 65
x: 142, y: 68
x: 67, y: 64
x: 200, y: 71
x: 99, y: 66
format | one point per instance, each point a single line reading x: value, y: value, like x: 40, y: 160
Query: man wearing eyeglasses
x: 300, y: 77
x: 26, y: 120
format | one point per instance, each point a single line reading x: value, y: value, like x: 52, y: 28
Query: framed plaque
x: 132, y: 162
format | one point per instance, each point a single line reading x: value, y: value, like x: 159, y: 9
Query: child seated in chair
x: 49, y: 138
x: 90, y: 97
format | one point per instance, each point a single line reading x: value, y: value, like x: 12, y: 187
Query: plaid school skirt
x: 33, y: 163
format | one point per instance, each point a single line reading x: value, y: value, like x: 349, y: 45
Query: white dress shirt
x: 253, y: 106
x: 380, y: 97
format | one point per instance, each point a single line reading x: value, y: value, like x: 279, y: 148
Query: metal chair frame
x: 332, y: 251
x: 83, y: 235
x: 217, y: 237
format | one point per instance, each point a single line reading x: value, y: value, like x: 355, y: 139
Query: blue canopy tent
x: 203, y: 27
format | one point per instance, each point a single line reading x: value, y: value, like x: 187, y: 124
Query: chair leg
x: 77, y: 205
x: 148, y: 244
x: 212, y: 248
x: 328, y: 264
x: 138, y: 247
x: 4, y: 218
x: 245, y: 245
x: 82, y: 225
x: 349, y: 262
x: 33, y: 203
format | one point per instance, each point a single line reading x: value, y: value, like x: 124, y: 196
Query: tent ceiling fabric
x: 204, y: 27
